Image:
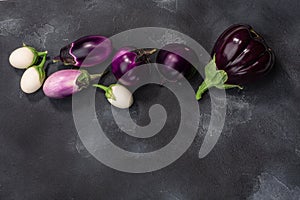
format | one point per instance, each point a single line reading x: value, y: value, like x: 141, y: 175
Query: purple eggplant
x: 64, y: 83
x: 240, y: 56
x: 128, y: 58
x: 85, y: 52
x: 175, y: 59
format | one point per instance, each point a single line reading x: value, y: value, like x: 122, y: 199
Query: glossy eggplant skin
x: 173, y: 56
x: 86, y: 51
x: 125, y: 62
x: 243, y: 54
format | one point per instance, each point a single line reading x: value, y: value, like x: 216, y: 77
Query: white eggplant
x: 117, y: 95
x: 24, y: 57
x: 33, y: 78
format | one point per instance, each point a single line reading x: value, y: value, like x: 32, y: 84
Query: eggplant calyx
x: 150, y: 52
x: 83, y: 80
x: 214, y: 78
x: 108, y: 91
x: 42, y: 73
x: 143, y: 55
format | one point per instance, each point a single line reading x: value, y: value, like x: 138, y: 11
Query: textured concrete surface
x: 257, y: 156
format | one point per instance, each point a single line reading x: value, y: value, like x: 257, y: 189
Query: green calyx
x: 214, y: 78
x: 40, y: 69
x: 84, y: 79
x: 108, y: 91
x: 36, y: 54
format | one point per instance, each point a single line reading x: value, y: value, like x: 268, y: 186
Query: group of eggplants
x: 240, y: 55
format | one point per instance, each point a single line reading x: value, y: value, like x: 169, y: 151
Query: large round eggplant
x: 240, y: 56
x: 86, y: 52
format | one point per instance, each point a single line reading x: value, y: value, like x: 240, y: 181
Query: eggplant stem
x: 201, y: 90
x: 104, y: 88
x: 41, y: 65
x: 42, y: 53
x: 40, y: 69
x: 108, y: 91
x: 255, y: 33
x: 150, y: 52
x: 56, y: 59
x: 96, y: 76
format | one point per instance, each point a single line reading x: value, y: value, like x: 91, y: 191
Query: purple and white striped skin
x: 86, y: 51
x: 64, y: 83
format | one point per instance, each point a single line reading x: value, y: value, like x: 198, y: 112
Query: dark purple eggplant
x: 175, y: 59
x: 240, y: 56
x: 86, y: 52
x: 128, y: 58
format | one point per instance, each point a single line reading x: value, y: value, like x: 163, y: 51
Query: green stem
x: 202, y: 88
x: 214, y: 78
x: 40, y: 69
x: 97, y: 76
x: 108, y: 91
x: 41, y: 65
x: 104, y: 88
x: 42, y: 53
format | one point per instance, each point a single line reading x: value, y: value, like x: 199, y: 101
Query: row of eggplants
x: 240, y: 55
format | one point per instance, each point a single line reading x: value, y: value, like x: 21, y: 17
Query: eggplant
x: 173, y: 57
x: 117, y: 95
x: 240, y: 56
x: 85, y: 52
x: 124, y: 62
x: 66, y: 82
x: 33, y: 77
x: 24, y: 57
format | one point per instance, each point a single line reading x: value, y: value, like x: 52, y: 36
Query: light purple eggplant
x: 66, y: 82
x: 86, y: 51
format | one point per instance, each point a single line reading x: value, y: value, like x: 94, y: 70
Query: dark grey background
x: 257, y: 156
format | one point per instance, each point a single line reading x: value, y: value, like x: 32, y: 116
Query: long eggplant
x: 86, y: 51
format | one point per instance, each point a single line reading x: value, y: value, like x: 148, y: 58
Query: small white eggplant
x: 24, y: 57
x: 33, y: 78
x: 117, y: 95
